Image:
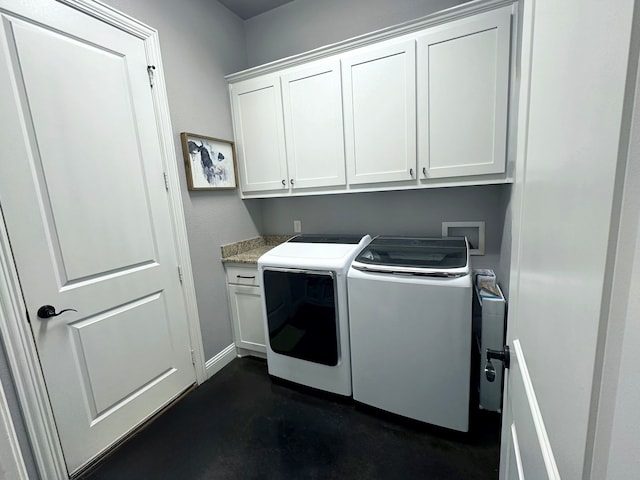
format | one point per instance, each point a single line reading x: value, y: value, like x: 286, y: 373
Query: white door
x: 84, y: 202
x: 562, y: 205
x: 256, y: 105
x: 312, y: 101
x: 463, y: 89
x: 380, y: 113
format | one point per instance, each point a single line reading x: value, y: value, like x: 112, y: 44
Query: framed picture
x: 210, y: 162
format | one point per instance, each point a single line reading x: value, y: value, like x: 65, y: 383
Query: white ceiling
x: 250, y: 8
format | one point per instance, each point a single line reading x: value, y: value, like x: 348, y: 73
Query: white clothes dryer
x: 305, y: 312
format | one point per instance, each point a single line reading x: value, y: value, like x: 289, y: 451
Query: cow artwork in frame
x: 210, y: 163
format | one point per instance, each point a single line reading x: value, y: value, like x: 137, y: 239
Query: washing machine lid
x: 445, y: 257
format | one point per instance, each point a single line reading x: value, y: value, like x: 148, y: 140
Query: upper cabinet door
x: 380, y: 113
x: 463, y: 86
x: 312, y: 100
x: 259, y: 132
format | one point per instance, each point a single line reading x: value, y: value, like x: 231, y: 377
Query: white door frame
x: 14, y: 323
x: 10, y: 458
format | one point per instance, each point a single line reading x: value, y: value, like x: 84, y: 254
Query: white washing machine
x: 410, y: 320
x: 304, y: 288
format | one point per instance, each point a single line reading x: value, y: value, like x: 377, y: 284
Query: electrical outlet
x: 297, y: 226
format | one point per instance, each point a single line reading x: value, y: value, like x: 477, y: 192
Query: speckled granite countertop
x: 248, y: 251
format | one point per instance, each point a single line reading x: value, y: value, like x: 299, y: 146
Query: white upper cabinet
x: 463, y: 86
x: 421, y: 105
x: 312, y: 101
x: 259, y: 134
x: 380, y: 113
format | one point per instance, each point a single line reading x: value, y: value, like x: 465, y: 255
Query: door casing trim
x: 14, y: 323
x: 15, y: 462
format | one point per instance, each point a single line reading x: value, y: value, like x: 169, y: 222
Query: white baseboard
x: 215, y: 364
x: 243, y: 352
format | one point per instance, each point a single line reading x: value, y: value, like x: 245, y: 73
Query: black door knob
x: 48, y: 311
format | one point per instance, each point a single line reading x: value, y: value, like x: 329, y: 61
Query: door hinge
x: 193, y: 358
x: 166, y: 181
x: 180, y: 276
x: 150, y: 69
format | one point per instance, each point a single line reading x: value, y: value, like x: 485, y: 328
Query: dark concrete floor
x: 243, y: 425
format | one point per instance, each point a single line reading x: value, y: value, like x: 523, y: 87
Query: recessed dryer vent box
x: 474, y: 231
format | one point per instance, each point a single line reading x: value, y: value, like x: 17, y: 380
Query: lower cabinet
x: 245, y: 303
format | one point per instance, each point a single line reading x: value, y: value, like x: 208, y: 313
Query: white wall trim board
x: 12, y: 462
x: 221, y: 360
x: 14, y: 327
x: 25, y: 368
x: 541, y: 431
x: 438, y: 18
x: 110, y: 15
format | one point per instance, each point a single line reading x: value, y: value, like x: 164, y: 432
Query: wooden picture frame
x: 210, y: 163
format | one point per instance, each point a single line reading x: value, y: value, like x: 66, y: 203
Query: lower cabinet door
x: 246, y: 315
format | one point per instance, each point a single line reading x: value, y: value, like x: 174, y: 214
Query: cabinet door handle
x: 252, y: 277
x: 411, y: 172
x: 284, y: 182
x: 292, y: 181
x: 424, y: 171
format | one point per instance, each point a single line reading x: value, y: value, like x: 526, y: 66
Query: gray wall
x: 307, y: 24
x: 407, y: 212
x: 202, y: 41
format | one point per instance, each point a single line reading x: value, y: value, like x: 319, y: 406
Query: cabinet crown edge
x: 457, y: 12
